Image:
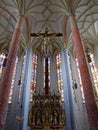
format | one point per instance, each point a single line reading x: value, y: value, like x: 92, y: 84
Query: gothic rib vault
x: 51, y: 14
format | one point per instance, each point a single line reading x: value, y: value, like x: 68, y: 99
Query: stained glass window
x: 59, y: 75
x: 80, y: 81
x: 94, y: 71
x: 34, y: 73
x: 2, y: 57
x: 13, y: 80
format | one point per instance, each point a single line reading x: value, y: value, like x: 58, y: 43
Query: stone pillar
x: 91, y: 106
x: 25, y: 97
x: 8, y: 73
x: 68, y: 95
x: 12, y: 121
x: 81, y: 114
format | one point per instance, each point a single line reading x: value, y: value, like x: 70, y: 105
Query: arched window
x: 13, y: 80
x: 80, y: 81
x: 94, y: 71
x: 34, y: 73
x: 59, y: 74
x: 2, y: 57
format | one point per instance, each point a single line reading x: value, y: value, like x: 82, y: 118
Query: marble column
x: 91, y: 106
x: 68, y: 94
x: 5, y: 85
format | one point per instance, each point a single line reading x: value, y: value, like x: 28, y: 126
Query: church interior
x: 48, y: 64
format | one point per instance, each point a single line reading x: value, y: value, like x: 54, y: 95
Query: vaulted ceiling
x: 51, y: 14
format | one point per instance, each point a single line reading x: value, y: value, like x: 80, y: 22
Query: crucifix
x: 45, y: 36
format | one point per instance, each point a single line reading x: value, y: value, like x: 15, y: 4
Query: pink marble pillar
x: 5, y: 84
x: 64, y: 31
x: 91, y: 107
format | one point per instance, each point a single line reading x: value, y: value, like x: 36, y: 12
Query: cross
x: 46, y: 34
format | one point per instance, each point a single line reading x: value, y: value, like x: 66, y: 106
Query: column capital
x: 71, y: 13
x: 22, y: 15
x: 64, y: 50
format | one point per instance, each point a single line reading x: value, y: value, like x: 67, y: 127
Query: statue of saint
x: 38, y: 117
